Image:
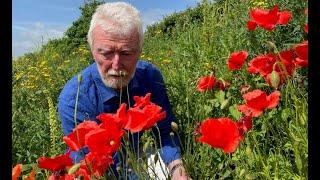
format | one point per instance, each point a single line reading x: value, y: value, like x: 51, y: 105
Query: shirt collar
x: 106, y: 93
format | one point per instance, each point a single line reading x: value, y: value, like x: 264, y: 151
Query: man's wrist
x: 174, y: 168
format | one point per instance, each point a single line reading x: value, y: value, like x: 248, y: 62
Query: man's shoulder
x: 145, y: 66
x: 85, y: 81
x: 147, y: 73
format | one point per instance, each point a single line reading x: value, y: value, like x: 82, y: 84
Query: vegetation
x: 185, y: 46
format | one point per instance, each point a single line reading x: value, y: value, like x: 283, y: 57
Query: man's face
x: 114, y: 54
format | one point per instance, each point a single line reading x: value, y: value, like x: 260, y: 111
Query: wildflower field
x: 236, y: 77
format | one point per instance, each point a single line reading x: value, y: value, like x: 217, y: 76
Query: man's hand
x: 177, y: 171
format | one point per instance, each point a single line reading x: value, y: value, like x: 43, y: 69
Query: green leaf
x: 285, y: 113
x: 220, y: 96
x: 207, y: 109
x: 225, y: 103
x: 234, y: 112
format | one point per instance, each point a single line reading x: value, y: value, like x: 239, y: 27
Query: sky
x: 34, y: 22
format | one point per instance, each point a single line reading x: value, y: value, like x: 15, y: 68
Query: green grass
x: 185, y: 46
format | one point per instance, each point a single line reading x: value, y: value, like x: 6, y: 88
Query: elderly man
x: 116, y: 37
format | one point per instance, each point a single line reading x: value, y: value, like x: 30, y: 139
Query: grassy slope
x: 184, y: 46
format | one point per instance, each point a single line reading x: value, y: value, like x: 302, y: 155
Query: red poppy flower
x: 251, y: 25
x: 31, y: 176
x: 220, y: 133
x: 136, y: 120
x: 206, y: 83
x: 16, y: 171
x: 287, y: 58
x: 265, y: 64
x: 284, y: 69
x: 142, y: 101
x: 244, y: 125
x: 144, y: 119
x: 97, y: 162
x: 84, y: 173
x: 284, y: 17
x: 268, y: 19
x: 120, y: 118
x: 113, y: 122
x: 75, y: 140
x: 153, y: 114
x: 302, y: 53
x: 55, y: 164
x: 262, y: 64
x: 102, y: 141
x: 236, y: 60
x: 257, y: 101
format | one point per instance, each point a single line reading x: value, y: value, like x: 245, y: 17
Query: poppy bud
x: 129, y: 160
x: 79, y: 77
x: 172, y: 134
x: 145, y: 146
x: 174, y: 126
x: 225, y: 103
x: 156, y: 158
x: 248, y: 151
x: 74, y: 168
x: 275, y: 79
x: 118, y: 168
x: 271, y: 45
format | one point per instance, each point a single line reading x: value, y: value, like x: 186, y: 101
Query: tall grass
x: 186, y: 46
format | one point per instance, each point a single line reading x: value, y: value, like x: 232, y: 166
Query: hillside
x: 185, y: 46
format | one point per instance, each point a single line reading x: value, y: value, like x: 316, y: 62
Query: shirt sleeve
x: 169, y: 144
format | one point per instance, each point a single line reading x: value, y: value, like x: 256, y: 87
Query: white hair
x: 117, y: 18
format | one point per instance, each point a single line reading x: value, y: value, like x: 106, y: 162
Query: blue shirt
x: 95, y: 98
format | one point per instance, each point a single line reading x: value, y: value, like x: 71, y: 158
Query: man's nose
x: 116, y: 65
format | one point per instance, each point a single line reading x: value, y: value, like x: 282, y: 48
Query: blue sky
x: 36, y: 21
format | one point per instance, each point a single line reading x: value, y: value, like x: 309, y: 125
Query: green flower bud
x: 248, y: 151
x: 271, y: 45
x: 79, y: 77
x: 174, y: 126
x: 172, y: 134
x: 275, y: 79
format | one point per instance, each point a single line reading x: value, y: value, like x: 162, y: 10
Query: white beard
x: 116, y: 83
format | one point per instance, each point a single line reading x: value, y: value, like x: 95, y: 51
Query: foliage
x: 77, y: 33
x: 185, y: 46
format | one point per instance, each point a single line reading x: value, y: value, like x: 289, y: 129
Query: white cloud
x: 39, y: 25
x: 152, y: 16
x: 29, y: 36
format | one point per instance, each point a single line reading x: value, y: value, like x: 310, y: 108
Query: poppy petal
x: 284, y: 17
x: 236, y: 60
x: 16, y: 171
x: 273, y: 99
x: 248, y: 111
x: 55, y: 164
x: 251, y: 25
x: 206, y: 83
x: 226, y: 135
